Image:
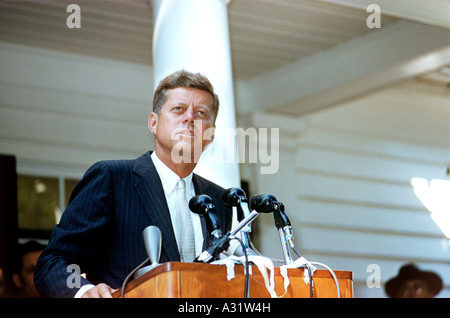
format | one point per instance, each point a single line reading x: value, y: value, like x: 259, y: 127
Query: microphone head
x: 233, y: 196
x: 264, y: 203
x: 201, y: 204
x: 280, y: 217
x: 152, y: 241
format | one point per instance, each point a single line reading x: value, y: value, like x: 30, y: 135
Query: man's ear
x: 153, y: 122
x: 209, y: 135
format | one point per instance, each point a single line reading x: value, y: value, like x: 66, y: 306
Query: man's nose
x: 189, y: 115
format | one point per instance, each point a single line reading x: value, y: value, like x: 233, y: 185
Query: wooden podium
x: 199, y: 280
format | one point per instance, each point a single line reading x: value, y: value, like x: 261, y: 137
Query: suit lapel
x: 149, y: 188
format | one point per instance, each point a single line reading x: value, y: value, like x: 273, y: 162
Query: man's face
x: 415, y: 288
x: 179, y: 128
x: 29, y: 261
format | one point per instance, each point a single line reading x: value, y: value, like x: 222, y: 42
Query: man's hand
x: 100, y: 291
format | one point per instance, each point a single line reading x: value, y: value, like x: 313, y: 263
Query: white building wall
x: 345, y: 181
x: 63, y: 112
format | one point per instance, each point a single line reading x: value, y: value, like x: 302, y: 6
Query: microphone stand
x: 245, y: 233
x: 284, y: 230
x: 268, y: 203
x: 284, y: 233
x: 237, y: 197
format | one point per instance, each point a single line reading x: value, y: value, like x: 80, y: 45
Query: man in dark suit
x: 100, y: 233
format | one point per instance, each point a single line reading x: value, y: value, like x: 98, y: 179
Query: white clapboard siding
x: 79, y: 73
x: 375, y: 244
x: 71, y: 110
x: 70, y: 103
x: 347, y: 184
x: 77, y: 131
x: 360, y: 191
x: 375, y: 144
x: 366, y: 218
x: 365, y: 165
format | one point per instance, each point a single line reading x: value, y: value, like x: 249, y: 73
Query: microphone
x: 267, y: 202
x: 222, y: 243
x: 236, y: 197
x: 281, y: 219
x: 152, y: 241
x: 203, y: 204
x: 264, y: 203
x: 284, y: 226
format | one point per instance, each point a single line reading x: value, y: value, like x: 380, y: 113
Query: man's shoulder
x: 119, y: 164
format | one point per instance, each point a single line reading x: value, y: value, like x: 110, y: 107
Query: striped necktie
x: 184, y: 232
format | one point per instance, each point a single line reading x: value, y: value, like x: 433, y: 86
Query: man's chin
x: 185, y: 152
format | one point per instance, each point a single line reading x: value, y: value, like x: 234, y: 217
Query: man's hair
x: 184, y: 78
x: 25, y: 248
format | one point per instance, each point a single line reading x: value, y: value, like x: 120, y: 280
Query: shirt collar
x: 168, y: 178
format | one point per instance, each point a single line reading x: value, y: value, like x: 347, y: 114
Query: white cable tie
x: 301, y: 261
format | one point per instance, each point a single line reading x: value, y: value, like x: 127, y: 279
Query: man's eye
x: 203, y: 113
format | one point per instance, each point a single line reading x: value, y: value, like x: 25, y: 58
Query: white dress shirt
x: 169, y: 180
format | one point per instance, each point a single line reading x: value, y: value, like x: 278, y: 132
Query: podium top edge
x: 206, y: 267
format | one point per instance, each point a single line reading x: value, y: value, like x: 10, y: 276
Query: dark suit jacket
x: 101, y: 229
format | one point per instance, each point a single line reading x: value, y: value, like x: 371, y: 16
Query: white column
x: 193, y: 35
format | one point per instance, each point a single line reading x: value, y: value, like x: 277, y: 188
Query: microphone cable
x: 338, y: 290
x: 324, y: 266
x: 125, y: 281
x: 311, y: 282
x: 247, y: 267
x: 309, y: 271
